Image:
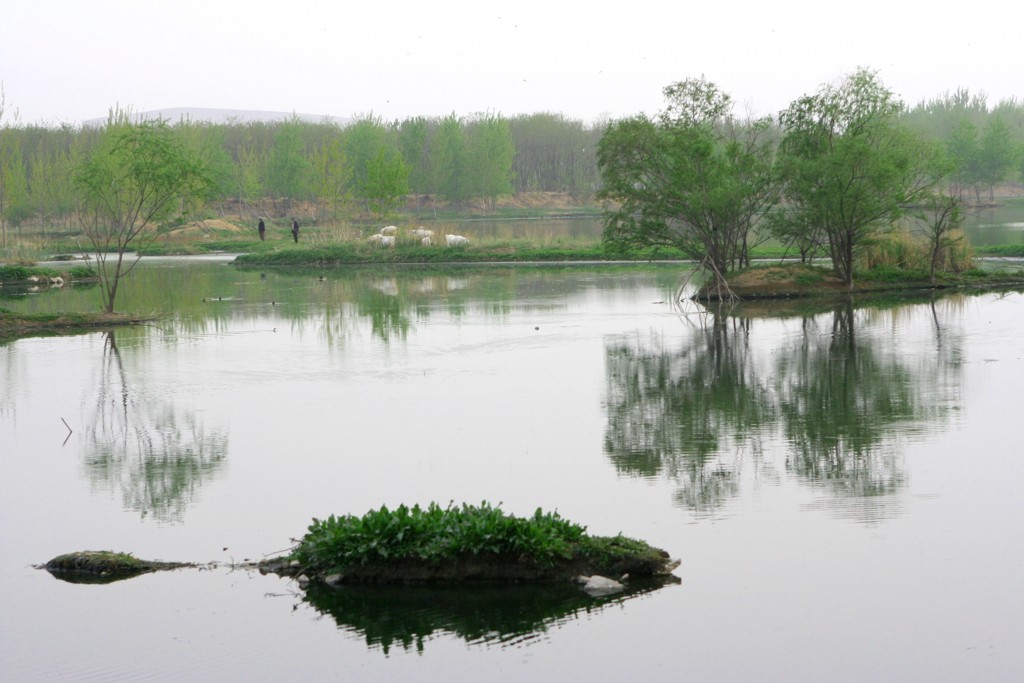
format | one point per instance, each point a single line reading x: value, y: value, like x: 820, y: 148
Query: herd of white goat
x: 387, y: 235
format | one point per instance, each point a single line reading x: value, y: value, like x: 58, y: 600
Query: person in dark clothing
x: 295, y: 230
x: 263, y: 230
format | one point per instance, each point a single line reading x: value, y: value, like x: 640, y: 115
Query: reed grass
x: 901, y: 250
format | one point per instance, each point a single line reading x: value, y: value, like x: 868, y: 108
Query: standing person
x: 295, y: 230
x: 263, y: 230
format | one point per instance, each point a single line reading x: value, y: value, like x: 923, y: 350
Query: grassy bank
x: 31, y: 274
x: 1001, y: 250
x: 350, y: 254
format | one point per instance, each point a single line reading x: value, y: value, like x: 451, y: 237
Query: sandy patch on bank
x: 206, y: 227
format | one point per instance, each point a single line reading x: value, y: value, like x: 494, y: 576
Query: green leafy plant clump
x: 14, y: 273
x: 434, y: 534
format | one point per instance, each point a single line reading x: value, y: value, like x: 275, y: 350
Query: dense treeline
x: 364, y: 169
x: 370, y: 167
x: 984, y: 143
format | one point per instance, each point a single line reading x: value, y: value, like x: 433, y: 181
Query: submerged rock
x: 597, y: 586
x: 103, y: 566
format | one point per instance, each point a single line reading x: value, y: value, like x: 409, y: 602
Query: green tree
x: 362, y: 142
x: 996, y: 154
x: 555, y: 154
x: 414, y: 142
x: 694, y: 179
x: 50, y: 188
x: 247, y: 176
x: 131, y: 186
x: 331, y: 176
x: 387, y: 181
x: 490, y: 153
x: 939, y: 217
x: 13, y: 182
x: 962, y: 150
x: 287, y: 166
x: 15, y: 207
x: 450, y: 160
x: 848, y: 165
x: 938, y: 117
x: 206, y: 143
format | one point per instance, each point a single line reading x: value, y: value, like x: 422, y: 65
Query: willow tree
x: 138, y: 180
x: 694, y: 179
x: 849, y: 165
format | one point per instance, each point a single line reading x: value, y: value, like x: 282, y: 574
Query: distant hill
x: 205, y: 115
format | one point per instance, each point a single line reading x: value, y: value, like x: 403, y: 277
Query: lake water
x: 842, y: 484
x: 987, y: 226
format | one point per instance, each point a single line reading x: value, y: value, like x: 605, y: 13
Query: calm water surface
x: 842, y: 485
x: 1003, y: 224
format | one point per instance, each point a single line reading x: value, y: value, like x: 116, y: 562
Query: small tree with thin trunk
x: 940, y: 218
x: 137, y: 181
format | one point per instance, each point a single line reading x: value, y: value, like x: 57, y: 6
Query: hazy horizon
x: 63, y: 61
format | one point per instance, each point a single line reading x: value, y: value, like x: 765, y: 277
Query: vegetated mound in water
x: 103, y: 566
x: 412, y: 545
x: 801, y: 280
x: 468, y: 543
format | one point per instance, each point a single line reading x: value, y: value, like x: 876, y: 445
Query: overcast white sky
x: 64, y: 61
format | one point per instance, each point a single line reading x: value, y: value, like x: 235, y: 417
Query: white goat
x: 426, y: 241
x: 389, y: 230
x: 382, y: 240
x: 421, y: 232
x: 456, y: 240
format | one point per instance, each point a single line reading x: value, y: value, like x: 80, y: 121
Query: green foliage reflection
x: 673, y: 413
x: 504, y: 615
x: 702, y: 414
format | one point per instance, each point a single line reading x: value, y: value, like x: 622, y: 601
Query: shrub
x: 14, y: 273
x: 82, y: 272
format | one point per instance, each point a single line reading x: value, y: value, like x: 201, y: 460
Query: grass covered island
x: 470, y: 543
x: 15, y: 324
x: 464, y: 543
x: 804, y: 280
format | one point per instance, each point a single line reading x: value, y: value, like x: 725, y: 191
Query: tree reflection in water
x: 703, y: 414
x: 155, y: 452
x: 685, y: 414
x: 839, y: 403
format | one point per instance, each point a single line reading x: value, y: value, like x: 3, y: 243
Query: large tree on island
x: 693, y: 178
x: 138, y: 180
x: 848, y: 165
